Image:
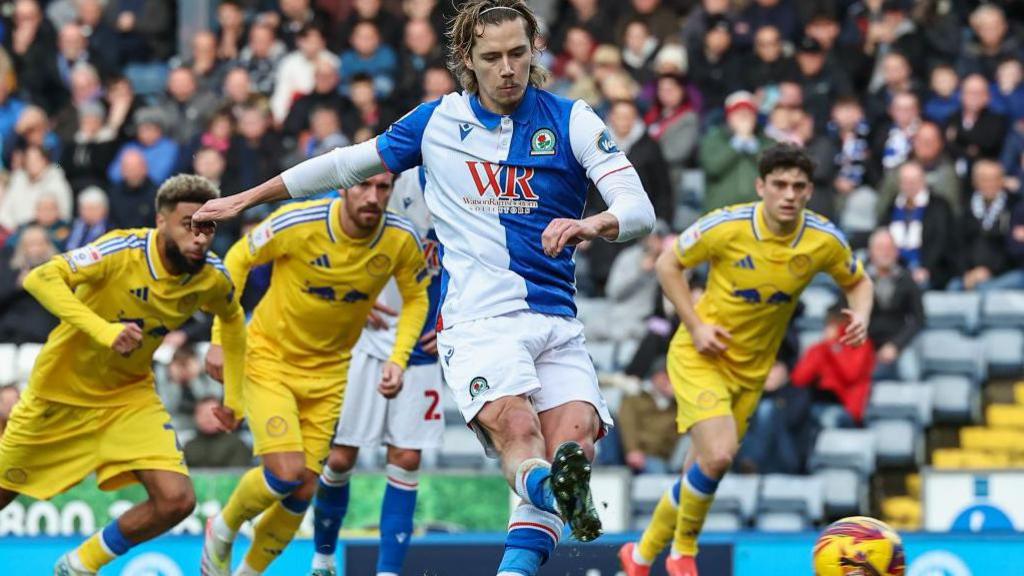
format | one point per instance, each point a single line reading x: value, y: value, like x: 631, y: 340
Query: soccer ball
x: 859, y: 546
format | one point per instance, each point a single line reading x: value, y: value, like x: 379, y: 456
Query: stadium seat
x: 952, y: 310
x: 647, y: 489
x: 991, y: 439
x: 722, y: 522
x: 958, y: 459
x: 624, y: 352
x: 603, y: 355
x: 26, y: 360
x: 901, y: 400
x: 898, y: 443
x: 592, y: 312
x: 1004, y: 351
x: 844, y: 448
x: 737, y: 494
x: 816, y: 300
x: 846, y: 493
x: 1003, y: 309
x: 788, y: 493
x: 8, y: 364
x: 1018, y: 392
x: 950, y: 352
x: 955, y: 399
x: 781, y: 522
x: 902, y: 512
x: 461, y: 449
x: 452, y: 415
x: 1005, y: 416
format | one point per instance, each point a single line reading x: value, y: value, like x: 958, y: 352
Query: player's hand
x: 215, y: 362
x: 204, y: 220
x: 888, y: 353
x: 710, y: 339
x: 226, y: 418
x: 375, y: 320
x: 390, y: 380
x: 128, y: 340
x: 562, y: 232
x: 636, y: 460
x: 856, y: 332
x: 429, y: 342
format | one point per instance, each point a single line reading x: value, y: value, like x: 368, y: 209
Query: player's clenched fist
x: 390, y: 380
x: 128, y: 340
x: 710, y: 339
x: 562, y: 232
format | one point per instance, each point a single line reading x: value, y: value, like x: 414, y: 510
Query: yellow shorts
x: 289, y: 414
x: 49, y: 447
x: 707, y: 389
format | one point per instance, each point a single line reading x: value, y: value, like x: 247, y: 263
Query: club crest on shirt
x: 605, y: 142
x: 542, y: 143
x: 800, y: 265
x: 187, y: 303
x: 378, y: 265
x: 276, y: 426
x: 478, y: 386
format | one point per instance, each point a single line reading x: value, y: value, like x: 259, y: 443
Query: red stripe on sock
x: 535, y: 526
x: 408, y: 485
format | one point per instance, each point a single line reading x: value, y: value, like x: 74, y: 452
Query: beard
x: 181, y: 263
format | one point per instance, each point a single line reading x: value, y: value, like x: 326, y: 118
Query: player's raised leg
x: 331, y: 505
x: 171, y: 500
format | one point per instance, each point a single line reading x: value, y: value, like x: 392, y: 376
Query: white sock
x: 76, y: 562
x: 246, y: 570
x: 638, y: 558
x: 222, y: 531
x: 675, y: 553
x: 323, y: 561
x: 509, y: 574
x: 386, y: 574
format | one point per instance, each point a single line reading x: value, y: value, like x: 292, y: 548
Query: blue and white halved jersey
x: 493, y: 184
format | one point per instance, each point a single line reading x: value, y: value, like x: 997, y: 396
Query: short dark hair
x: 784, y: 157
x: 184, y: 188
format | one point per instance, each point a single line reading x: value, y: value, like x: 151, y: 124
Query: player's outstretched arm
x: 861, y: 298
x: 339, y: 168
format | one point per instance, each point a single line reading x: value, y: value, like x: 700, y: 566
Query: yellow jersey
x: 756, y: 279
x: 120, y: 278
x: 323, y: 286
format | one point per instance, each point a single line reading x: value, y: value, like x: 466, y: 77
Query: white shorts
x: 413, y: 420
x: 522, y: 353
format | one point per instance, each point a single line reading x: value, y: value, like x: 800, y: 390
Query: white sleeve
x: 609, y: 170
x: 339, y: 168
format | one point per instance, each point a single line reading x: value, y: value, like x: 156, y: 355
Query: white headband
x: 499, y: 8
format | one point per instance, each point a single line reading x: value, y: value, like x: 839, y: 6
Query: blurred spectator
x: 255, y: 153
x: 206, y: 65
x: 429, y: 10
x: 210, y: 164
x: 1012, y: 157
x: 85, y: 89
x: 325, y: 132
x: 585, y: 14
x: 647, y: 423
x: 34, y: 49
x: 182, y: 384
x: 896, y: 78
x: 990, y: 44
x: 633, y: 286
x: 780, y: 14
x: 437, y: 81
x: 260, y: 57
x: 891, y: 33
x: 645, y: 155
x: 295, y: 74
x: 297, y: 16
x: 91, y: 223
x: 661, y: 19
x: 324, y: 94
x: 943, y: 96
x: 231, y: 29
x: 47, y: 217
x: 784, y: 123
x: 22, y: 317
x: 573, y: 69
x: 703, y: 17
x: 975, y: 131
x: 122, y: 104
x: 821, y: 85
x: 211, y: 448
x: 367, y: 111
x: 940, y: 174
x: 102, y: 38
x: 133, y: 194
x: 11, y: 106
x: 61, y: 12
x: 159, y: 151
x: 851, y: 162
x: 891, y: 144
x: 387, y: 24
x: 9, y: 396
x: 985, y: 232
x: 1008, y: 89
x: 89, y: 152
x: 768, y: 63
x: 898, y: 313
x: 714, y: 67
x: 924, y: 229
x: 146, y: 29
x: 728, y: 154
x: 838, y: 374
x: 73, y: 51
x: 185, y: 108
x: 238, y: 91
x: 672, y: 122
x: 369, y: 56
x: 37, y: 178
x: 639, y: 47
x: 420, y: 50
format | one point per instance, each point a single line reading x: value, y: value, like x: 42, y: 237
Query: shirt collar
x: 761, y: 231
x: 522, y: 113
x: 156, y: 266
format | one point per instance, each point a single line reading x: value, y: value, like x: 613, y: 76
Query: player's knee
x: 404, y: 459
x: 286, y: 467
x: 175, y: 504
x: 518, y: 425
x: 308, y: 487
x: 717, y: 462
x: 342, y: 459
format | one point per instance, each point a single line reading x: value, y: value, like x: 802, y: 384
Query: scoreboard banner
x: 975, y: 501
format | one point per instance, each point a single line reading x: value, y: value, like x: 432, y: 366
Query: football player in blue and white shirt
x: 507, y: 168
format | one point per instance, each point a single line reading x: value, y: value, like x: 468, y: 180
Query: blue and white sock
x: 532, y: 536
x: 328, y: 514
x: 396, y: 514
x: 533, y: 484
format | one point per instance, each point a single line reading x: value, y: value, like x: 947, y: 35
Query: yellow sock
x: 253, y: 495
x: 92, y: 554
x: 663, y: 525
x: 695, y: 497
x: 274, y: 531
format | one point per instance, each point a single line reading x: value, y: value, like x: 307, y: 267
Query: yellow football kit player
x: 324, y: 283
x: 91, y: 404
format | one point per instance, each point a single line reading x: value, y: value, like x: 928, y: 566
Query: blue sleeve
x: 399, y: 146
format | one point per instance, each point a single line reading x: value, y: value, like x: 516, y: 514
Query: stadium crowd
x: 914, y: 112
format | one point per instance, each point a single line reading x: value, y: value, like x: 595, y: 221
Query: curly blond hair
x: 184, y: 188
x: 468, y: 25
